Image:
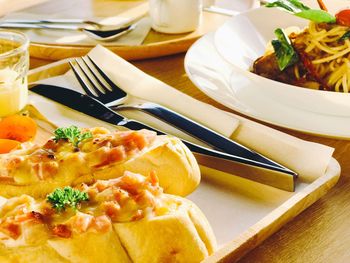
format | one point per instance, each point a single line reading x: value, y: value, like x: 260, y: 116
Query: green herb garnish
x: 299, y: 9
x: 345, y: 36
x: 284, y: 50
x: 66, y: 197
x: 72, y: 133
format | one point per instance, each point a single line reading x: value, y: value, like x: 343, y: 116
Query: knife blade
x: 127, y: 101
x: 252, y: 168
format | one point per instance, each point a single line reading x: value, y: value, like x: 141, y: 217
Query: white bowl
x: 243, y: 38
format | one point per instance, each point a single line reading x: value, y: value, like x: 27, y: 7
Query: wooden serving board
x: 155, y: 45
x: 242, y: 213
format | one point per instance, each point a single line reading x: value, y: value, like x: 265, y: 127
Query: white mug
x: 175, y: 16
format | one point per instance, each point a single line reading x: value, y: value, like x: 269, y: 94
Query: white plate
x: 238, y: 90
x: 243, y: 39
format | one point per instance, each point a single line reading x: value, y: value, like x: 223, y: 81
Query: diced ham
x: 38, y: 217
x: 101, y: 223
x: 11, y: 225
x: 153, y: 178
x: 112, y: 209
x: 81, y: 222
x: 11, y: 229
x: 62, y: 231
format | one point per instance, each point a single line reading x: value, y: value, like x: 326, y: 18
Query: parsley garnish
x: 66, y: 197
x: 299, y: 9
x: 72, y: 133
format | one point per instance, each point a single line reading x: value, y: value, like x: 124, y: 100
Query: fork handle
x: 195, y: 129
x: 40, y: 26
x: 47, y: 21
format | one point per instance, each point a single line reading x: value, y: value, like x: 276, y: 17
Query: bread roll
x: 128, y: 219
x: 36, y: 171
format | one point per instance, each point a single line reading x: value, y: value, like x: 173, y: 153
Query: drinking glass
x: 14, y: 65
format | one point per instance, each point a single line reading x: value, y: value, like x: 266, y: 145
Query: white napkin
x: 68, y: 37
x: 308, y: 159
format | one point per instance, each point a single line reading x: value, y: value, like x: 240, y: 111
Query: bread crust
x: 172, y: 161
x: 90, y: 247
x: 183, y: 235
x: 174, y: 164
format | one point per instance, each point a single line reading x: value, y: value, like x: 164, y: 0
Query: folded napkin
x: 308, y: 159
x: 69, y: 37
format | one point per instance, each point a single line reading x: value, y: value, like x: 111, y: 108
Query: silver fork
x: 99, y: 86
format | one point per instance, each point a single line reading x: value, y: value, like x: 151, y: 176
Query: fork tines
x: 94, y: 81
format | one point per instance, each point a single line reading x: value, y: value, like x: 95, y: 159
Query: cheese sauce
x: 128, y: 198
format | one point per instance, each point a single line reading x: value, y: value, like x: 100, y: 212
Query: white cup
x: 175, y: 16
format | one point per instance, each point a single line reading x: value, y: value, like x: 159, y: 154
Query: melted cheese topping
x: 128, y: 198
x: 53, y: 159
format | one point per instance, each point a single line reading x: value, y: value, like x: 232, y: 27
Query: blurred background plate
x: 154, y: 45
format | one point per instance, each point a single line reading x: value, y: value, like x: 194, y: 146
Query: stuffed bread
x: 128, y: 219
x: 38, y: 170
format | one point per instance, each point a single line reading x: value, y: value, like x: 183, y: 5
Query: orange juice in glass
x: 14, y: 64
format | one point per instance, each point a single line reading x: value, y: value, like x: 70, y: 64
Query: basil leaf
x: 281, y: 5
x: 284, y: 51
x: 299, y: 4
x: 293, y: 6
x: 318, y: 16
x: 345, y: 36
x: 299, y: 9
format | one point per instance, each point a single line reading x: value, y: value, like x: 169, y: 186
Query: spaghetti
x: 329, y: 54
x: 318, y: 57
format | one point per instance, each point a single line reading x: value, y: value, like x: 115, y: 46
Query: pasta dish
x: 321, y: 58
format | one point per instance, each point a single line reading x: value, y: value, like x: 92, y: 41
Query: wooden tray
x: 242, y: 213
x: 155, y: 45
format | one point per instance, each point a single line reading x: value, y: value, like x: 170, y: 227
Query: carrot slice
x: 17, y: 127
x: 7, y: 145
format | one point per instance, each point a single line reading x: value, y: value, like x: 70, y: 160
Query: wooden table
x: 322, y: 232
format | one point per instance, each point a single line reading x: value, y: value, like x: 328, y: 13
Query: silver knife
x: 250, y: 168
x: 116, y: 98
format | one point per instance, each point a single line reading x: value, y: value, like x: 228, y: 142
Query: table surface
x: 322, y: 232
